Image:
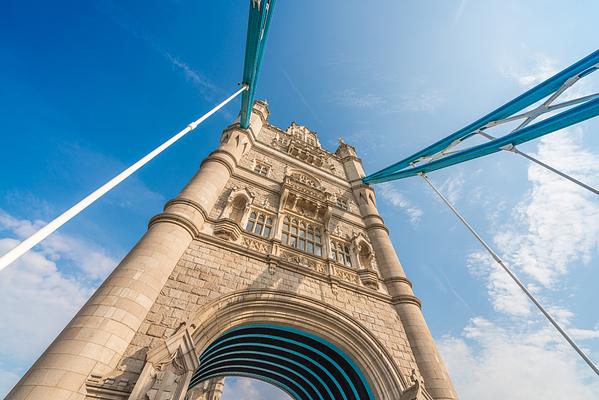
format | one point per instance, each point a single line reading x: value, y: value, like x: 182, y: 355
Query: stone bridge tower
x: 273, y: 263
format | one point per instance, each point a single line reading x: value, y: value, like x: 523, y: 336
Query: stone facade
x: 272, y: 228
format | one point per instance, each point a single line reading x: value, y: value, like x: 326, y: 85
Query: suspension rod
x: 47, y: 230
x: 514, y: 149
x: 511, y: 274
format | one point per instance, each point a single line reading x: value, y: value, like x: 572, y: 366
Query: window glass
x: 340, y: 253
x: 302, y: 236
x: 259, y: 223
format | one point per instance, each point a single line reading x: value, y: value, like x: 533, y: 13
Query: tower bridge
x: 273, y: 263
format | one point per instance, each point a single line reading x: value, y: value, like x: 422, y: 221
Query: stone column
x: 96, y: 338
x: 436, y: 379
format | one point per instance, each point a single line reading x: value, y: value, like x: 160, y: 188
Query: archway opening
x: 305, y: 366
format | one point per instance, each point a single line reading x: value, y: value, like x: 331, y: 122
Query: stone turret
x: 436, y: 378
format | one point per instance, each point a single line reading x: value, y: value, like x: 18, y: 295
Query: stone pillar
x: 96, y: 338
x: 436, y: 379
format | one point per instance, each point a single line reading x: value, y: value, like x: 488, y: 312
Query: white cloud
x: 41, y: 292
x: 503, y: 293
x: 452, y: 187
x: 424, y: 101
x: 398, y: 199
x: 551, y: 231
x: 251, y: 389
x: 518, y: 364
x: 37, y: 302
x: 205, y: 86
x: 94, y: 261
x: 543, y: 68
x: 350, y: 98
x: 459, y: 12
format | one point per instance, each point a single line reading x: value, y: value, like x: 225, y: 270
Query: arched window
x: 259, y: 223
x: 340, y: 253
x: 365, y: 256
x: 302, y: 235
x: 238, y: 208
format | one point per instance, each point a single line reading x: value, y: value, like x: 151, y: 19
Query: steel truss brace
x: 439, y: 154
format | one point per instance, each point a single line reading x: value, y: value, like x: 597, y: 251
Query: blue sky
x: 89, y: 87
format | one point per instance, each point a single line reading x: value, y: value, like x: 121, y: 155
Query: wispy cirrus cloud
x: 453, y: 186
x: 208, y: 90
x: 427, y: 100
x: 251, y: 389
x: 205, y: 86
x: 459, y: 12
x: 422, y: 100
x: 352, y: 99
x: 398, y: 199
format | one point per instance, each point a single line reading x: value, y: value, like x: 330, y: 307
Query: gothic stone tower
x: 274, y: 263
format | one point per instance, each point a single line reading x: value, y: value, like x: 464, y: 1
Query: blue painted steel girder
x: 305, y: 364
x: 258, y: 25
x: 573, y: 116
x: 587, y: 110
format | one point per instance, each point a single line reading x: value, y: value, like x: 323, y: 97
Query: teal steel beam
x: 258, y: 25
x: 550, y: 87
x: 573, y: 116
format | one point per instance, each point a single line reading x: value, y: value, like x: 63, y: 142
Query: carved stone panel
x: 168, y: 369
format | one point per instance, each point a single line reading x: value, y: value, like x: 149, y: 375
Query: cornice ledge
x: 398, y: 279
x: 214, y: 157
x: 187, y: 202
x: 377, y: 225
x: 406, y: 299
x: 177, y: 220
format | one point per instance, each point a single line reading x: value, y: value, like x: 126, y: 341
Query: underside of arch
x: 305, y: 366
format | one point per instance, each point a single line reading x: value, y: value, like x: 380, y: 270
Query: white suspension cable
x: 515, y: 150
x: 44, y: 232
x: 511, y: 274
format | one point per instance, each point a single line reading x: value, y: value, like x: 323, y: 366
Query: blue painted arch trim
x: 305, y: 364
x: 273, y: 382
x: 322, y: 385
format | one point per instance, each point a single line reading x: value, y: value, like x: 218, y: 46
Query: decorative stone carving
x: 345, y: 275
x: 255, y: 244
x: 303, y: 261
x: 369, y: 278
x: 168, y: 369
x: 227, y: 229
x: 416, y: 391
x: 235, y: 194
